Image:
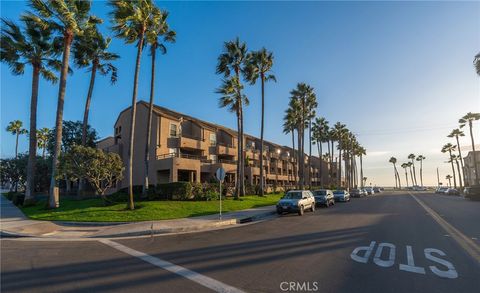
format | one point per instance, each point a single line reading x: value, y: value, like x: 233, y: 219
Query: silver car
x: 341, y: 195
x: 296, y: 201
x: 324, y: 197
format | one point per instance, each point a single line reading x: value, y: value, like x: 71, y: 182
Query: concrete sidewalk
x: 14, y: 223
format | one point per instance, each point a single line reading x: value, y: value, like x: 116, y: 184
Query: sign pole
x: 220, y: 199
x: 220, y: 174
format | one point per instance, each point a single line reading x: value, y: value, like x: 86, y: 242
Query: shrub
x: 173, y: 191
x: 137, y: 189
x: 197, y: 190
x: 18, y: 198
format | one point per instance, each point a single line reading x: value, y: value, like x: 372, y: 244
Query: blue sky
x: 399, y: 74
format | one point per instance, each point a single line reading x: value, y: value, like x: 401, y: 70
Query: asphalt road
x: 411, y: 252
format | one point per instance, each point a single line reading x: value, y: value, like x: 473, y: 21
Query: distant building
x: 185, y: 148
x: 469, y: 167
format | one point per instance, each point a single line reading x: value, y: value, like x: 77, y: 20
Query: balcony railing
x: 223, y: 161
x: 225, y: 144
x: 183, y: 156
x: 191, y: 136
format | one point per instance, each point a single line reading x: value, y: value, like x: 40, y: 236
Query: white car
x: 341, y: 195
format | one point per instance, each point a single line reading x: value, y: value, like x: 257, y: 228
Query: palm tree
x: 289, y: 125
x: 15, y: 127
x: 339, y: 132
x: 230, y: 64
x: 43, y: 135
x: 320, y: 131
x: 455, y: 159
x: 449, y: 177
x: 70, y: 18
x: 449, y: 148
x: 393, y: 160
x: 34, y: 46
x: 304, y: 101
x: 233, y: 99
x: 420, y: 158
x: 457, y: 133
x: 405, y: 166
x: 476, y: 63
x: 412, y: 157
x: 157, y: 36
x: 131, y: 20
x: 469, y: 118
x: 259, y: 64
x: 409, y: 164
x: 91, y: 51
x: 361, y: 152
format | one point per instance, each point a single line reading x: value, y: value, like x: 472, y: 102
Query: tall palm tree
x: 231, y: 63
x: 456, y: 133
x: 339, y: 132
x: 91, y: 51
x: 320, y: 135
x: 449, y: 148
x: 412, y: 158
x: 303, y: 99
x: 259, y: 65
x: 409, y: 164
x: 43, y: 135
x: 362, y: 152
x: 468, y: 119
x: 131, y: 20
x: 454, y: 158
x: 393, y: 160
x: 233, y: 98
x: 420, y: 158
x: 15, y: 127
x: 157, y: 36
x: 69, y: 18
x: 405, y: 166
x: 34, y: 46
x: 289, y: 126
x: 449, y: 178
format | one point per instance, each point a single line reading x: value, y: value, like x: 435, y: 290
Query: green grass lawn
x: 93, y: 210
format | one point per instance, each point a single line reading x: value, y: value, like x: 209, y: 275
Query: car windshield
x: 320, y: 192
x: 293, y: 195
x: 354, y: 190
x: 339, y: 192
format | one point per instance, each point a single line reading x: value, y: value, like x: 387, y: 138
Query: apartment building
x: 188, y: 149
x: 469, y: 167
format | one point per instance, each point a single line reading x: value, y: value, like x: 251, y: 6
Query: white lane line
x: 466, y: 243
x: 210, y: 283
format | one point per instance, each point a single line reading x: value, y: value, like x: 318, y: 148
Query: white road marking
x: 450, y: 274
x: 466, y: 243
x: 210, y: 283
x: 410, y: 266
x: 391, y: 256
x: 368, y: 250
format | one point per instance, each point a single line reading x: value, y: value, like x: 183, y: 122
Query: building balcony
x: 226, y: 149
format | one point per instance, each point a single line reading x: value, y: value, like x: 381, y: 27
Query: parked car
x: 377, y: 190
x: 364, y: 191
x: 466, y: 191
x: 341, y: 195
x: 296, y: 201
x: 369, y: 190
x: 441, y: 190
x: 324, y: 197
x: 356, y: 192
x: 452, y: 191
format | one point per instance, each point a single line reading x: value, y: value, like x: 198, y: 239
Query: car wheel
x: 300, y: 211
x: 313, y: 208
x: 279, y: 212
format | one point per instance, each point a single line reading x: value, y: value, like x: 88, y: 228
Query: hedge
x: 172, y: 191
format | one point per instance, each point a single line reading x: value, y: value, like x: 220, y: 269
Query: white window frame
x: 170, y: 130
x: 214, y: 141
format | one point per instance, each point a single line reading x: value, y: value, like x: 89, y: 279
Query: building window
x: 213, y: 139
x: 173, y: 130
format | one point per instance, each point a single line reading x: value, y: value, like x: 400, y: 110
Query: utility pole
x: 438, y: 179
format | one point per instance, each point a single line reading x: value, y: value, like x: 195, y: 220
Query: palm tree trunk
x: 54, y: 196
x: 131, y: 204
x: 475, y: 165
x: 339, y: 165
x: 149, y: 125
x: 261, y: 134
x: 411, y: 175
x: 16, y: 144
x: 32, y: 148
x: 239, y: 156
x: 310, y: 153
x: 421, y: 172
x: 294, y: 163
x: 300, y: 163
x: 398, y: 176
x: 414, y: 172
x: 461, y: 161
x: 361, y: 170
x: 43, y: 152
x: 320, y: 172
x: 459, y: 175
x: 406, y: 176
x: 330, y: 161
x: 395, y: 174
x: 81, y: 181
x: 453, y: 171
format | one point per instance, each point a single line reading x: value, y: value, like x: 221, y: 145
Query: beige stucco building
x: 188, y: 149
x: 469, y: 167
